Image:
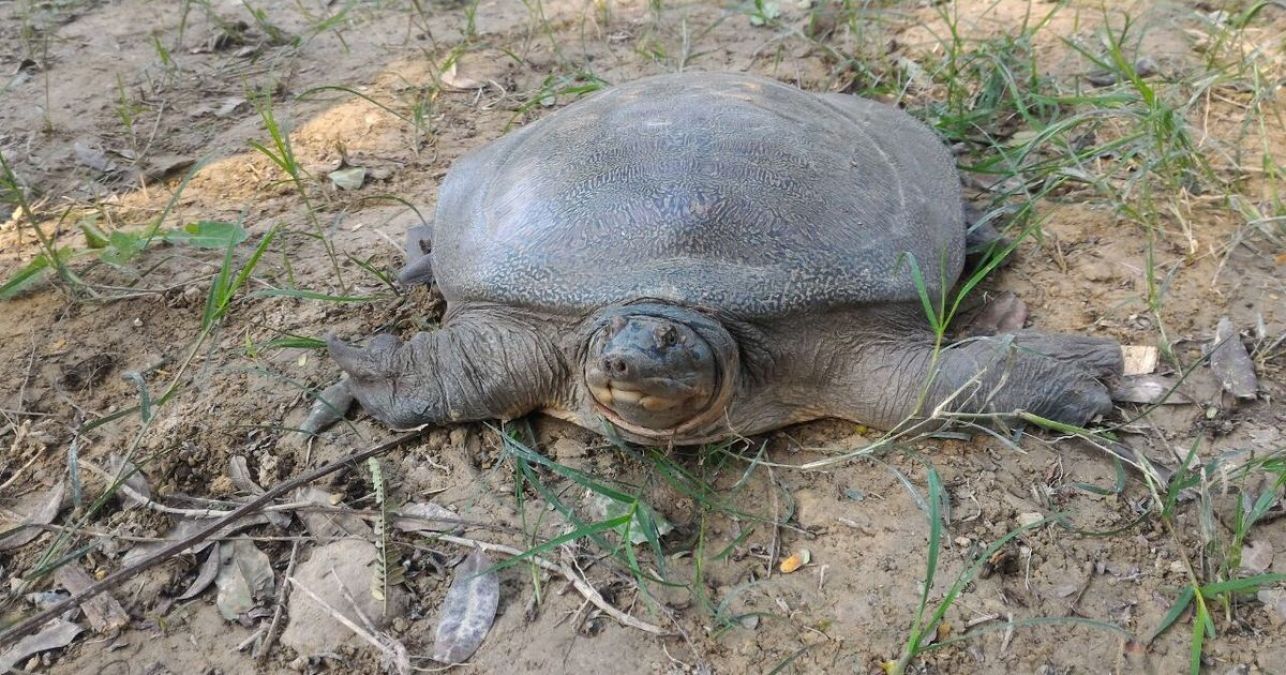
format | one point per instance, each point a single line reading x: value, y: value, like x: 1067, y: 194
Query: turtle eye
x: 666, y: 336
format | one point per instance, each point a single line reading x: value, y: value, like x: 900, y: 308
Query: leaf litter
x: 104, y: 613
x: 56, y: 634
x: 1231, y: 363
x: 425, y: 517
x: 187, y: 528
x: 244, y: 580
x: 468, y: 610
x: 35, y: 509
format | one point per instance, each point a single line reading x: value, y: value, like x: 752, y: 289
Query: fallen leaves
x: 468, y: 610
x: 36, y: 508
x: 185, y: 529
x: 245, y: 578
x: 1230, y: 362
x: 204, y: 576
x: 104, y: 613
x: 132, y: 478
x: 425, y: 517
x: 56, y: 634
x: 1257, y: 556
x: 336, y: 577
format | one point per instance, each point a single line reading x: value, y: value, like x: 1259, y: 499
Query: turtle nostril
x: 614, y: 365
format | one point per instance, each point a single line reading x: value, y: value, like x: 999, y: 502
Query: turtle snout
x: 616, y: 366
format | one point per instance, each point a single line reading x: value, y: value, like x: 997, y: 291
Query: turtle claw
x: 418, y: 271
x: 419, y: 265
x: 373, y: 362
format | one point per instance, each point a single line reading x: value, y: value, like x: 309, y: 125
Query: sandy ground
x: 101, y: 126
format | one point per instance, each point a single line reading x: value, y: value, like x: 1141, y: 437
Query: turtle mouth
x: 670, y: 395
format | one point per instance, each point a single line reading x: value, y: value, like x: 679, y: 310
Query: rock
x: 1274, y: 600
x: 340, y: 574
x: 1099, y: 271
x: 1029, y: 519
x: 811, y: 509
x: 1257, y: 556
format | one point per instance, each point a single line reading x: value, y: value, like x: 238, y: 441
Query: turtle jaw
x: 626, y: 398
x: 652, y: 375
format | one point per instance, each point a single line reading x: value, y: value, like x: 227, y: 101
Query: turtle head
x: 656, y: 369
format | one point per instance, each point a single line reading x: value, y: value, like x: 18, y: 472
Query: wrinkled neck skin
x: 703, y: 417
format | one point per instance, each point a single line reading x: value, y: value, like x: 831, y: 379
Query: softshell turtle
x: 696, y: 256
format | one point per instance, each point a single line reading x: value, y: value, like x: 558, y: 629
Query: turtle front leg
x: 481, y: 366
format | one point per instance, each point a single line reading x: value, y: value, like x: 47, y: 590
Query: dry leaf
x: 92, y: 157
x: 35, y: 508
x: 1274, y: 600
x: 606, y: 508
x: 329, y: 524
x: 425, y: 517
x: 104, y: 613
x: 163, y: 166
x: 230, y: 105
x: 1257, y: 556
x: 454, y: 80
x: 187, y: 528
x: 1231, y: 363
x: 468, y: 610
x: 239, y: 473
x: 56, y: 634
x: 204, y: 577
x: 1030, y: 518
x: 350, y: 178
x: 245, y: 577
x: 334, y: 576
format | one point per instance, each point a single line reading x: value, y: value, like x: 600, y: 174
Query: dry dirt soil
x: 106, y: 104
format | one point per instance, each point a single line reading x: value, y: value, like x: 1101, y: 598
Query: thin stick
x: 115, y: 579
x: 153, y: 505
x: 261, y: 652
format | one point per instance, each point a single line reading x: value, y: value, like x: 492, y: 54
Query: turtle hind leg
x: 881, y: 369
x: 1055, y: 376
x: 419, y: 266
x: 481, y: 366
